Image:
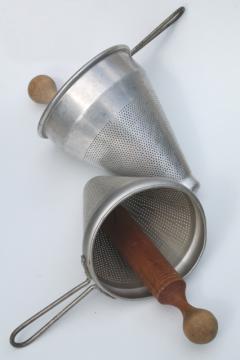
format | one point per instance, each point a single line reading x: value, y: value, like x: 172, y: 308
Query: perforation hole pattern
x: 138, y: 142
x: 167, y: 216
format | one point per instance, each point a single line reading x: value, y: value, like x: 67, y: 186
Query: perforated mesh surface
x: 138, y: 141
x: 166, y: 215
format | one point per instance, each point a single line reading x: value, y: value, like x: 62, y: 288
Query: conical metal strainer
x: 109, y: 115
x: 168, y: 213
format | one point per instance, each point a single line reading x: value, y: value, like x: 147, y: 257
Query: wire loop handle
x: 54, y: 318
x: 159, y: 29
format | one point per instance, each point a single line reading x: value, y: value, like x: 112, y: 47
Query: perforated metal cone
x: 168, y: 213
x: 109, y: 115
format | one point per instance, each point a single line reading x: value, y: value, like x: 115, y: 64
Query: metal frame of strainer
x: 101, y: 195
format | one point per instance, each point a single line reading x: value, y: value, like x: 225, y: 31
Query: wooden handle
x: 199, y: 325
x: 42, y: 89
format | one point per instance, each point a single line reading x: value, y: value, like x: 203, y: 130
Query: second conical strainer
x: 109, y: 115
x: 169, y: 214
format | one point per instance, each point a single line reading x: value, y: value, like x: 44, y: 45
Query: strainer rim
x: 127, y: 190
x: 67, y: 85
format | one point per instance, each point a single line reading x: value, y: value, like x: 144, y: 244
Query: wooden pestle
x: 166, y: 285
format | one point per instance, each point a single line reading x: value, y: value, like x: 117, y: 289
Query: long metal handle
x: 159, y: 29
x: 54, y: 318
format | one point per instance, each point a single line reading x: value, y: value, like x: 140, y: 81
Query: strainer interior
x: 171, y: 219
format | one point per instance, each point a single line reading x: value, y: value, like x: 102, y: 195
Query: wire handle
x: 39, y: 332
x: 159, y: 29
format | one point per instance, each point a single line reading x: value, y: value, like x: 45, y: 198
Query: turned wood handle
x: 166, y: 285
x: 42, y: 89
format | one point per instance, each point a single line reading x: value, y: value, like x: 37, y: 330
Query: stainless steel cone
x: 167, y: 212
x: 109, y: 115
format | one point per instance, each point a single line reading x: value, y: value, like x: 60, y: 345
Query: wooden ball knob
x: 42, y: 89
x: 200, y: 326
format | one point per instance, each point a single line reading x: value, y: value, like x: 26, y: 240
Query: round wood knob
x: 200, y: 326
x: 42, y: 89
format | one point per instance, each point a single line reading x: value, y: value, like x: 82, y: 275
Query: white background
x: 195, y: 69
